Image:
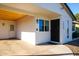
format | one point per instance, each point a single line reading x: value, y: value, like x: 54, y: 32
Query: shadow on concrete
x: 74, y: 46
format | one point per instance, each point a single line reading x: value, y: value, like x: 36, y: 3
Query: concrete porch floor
x: 22, y: 48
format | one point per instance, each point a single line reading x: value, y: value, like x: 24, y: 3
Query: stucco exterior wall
x: 26, y: 29
x: 5, y: 32
x: 42, y: 37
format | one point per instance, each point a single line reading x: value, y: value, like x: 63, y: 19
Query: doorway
x: 55, y: 30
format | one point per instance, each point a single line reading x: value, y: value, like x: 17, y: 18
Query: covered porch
x: 19, y: 21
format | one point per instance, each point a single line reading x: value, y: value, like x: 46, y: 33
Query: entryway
x: 55, y: 30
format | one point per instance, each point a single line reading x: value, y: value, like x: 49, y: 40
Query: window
x: 67, y: 29
x: 11, y: 27
x: 73, y: 27
x: 46, y: 25
x: 67, y: 33
x: 41, y: 24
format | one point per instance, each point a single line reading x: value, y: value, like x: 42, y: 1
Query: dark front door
x: 55, y: 30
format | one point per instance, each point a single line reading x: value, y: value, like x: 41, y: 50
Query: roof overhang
x: 68, y: 10
x: 29, y: 9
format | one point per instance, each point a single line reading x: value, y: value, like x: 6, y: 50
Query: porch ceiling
x: 17, y: 10
x: 9, y: 15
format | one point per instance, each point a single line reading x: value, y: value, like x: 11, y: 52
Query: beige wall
x: 5, y: 29
x: 25, y: 29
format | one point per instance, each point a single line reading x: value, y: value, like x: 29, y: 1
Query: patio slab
x: 74, y: 46
x: 22, y: 48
